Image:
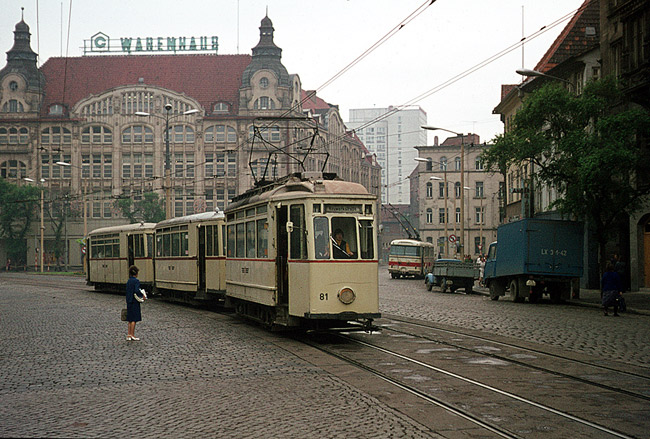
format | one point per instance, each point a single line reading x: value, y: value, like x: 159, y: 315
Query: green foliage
x: 586, y: 147
x: 150, y: 209
x: 17, y: 211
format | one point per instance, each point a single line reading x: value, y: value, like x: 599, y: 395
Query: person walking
x: 133, y: 299
x: 611, y: 287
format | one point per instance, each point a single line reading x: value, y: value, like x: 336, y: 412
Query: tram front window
x: 366, y: 239
x: 344, y: 246
x: 321, y: 237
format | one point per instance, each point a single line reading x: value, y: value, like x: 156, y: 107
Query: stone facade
x: 107, y: 116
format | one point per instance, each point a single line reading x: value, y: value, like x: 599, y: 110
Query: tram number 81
x: 323, y: 296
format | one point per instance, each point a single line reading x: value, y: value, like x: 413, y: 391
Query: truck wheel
x: 514, y: 291
x: 468, y: 289
x: 494, y: 293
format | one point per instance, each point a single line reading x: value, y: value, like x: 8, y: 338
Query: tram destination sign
x: 102, y: 43
x: 342, y: 208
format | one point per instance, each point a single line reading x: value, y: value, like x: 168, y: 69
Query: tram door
x: 131, y: 255
x: 201, y: 259
x: 282, y: 253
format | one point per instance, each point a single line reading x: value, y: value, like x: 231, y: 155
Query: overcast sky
x: 320, y: 37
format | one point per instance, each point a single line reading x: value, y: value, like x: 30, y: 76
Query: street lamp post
x: 42, y: 180
x: 462, y: 180
x: 85, y: 213
x: 529, y: 72
x: 168, y: 167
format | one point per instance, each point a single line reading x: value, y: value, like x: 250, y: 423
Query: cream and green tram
x: 190, y: 257
x: 281, y: 265
x: 112, y: 250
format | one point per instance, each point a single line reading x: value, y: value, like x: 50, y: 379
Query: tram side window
x: 167, y: 244
x: 212, y: 240
x: 298, y: 236
x: 231, y: 241
x: 348, y: 226
x: 321, y: 237
x: 366, y: 239
x: 223, y: 238
x: 262, y: 239
x: 250, y: 239
x: 241, y: 243
x: 138, y: 244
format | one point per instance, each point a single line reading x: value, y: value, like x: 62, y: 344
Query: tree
x: 584, y: 146
x: 149, y: 209
x: 17, y: 211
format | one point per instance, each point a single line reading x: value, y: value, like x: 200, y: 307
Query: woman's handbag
x: 621, y: 303
x: 124, y: 315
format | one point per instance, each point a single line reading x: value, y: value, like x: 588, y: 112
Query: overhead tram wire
x: 463, y: 74
x: 418, y: 11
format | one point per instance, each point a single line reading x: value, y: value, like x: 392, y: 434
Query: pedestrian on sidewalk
x: 133, y: 299
x: 610, y: 288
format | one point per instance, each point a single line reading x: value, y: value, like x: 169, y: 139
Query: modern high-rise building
x: 392, y: 134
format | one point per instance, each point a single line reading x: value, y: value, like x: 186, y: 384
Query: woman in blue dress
x: 611, y: 288
x: 132, y: 304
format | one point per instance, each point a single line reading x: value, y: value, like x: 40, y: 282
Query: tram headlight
x: 346, y: 296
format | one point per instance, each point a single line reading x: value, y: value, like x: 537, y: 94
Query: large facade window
x: 220, y: 134
x: 13, y: 106
x: 56, y: 136
x: 97, y: 135
x: 181, y: 134
x: 264, y: 103
x: 137, y: 134
x: 49, y: 168
x: 271, y: 134
x: 14, y: 136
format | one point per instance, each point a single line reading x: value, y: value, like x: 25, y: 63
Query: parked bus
x: 410, y: 257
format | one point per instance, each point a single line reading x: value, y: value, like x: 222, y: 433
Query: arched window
x: 429, y: 164
x: 429, y: 190
x: 264, y: 103
x: 96, y: 134
x: 458, y: 214
x: 457, y: 164
x: 137, y: 134
x: 56, y: 136
x: 13, y: 169
x: 457, y: 190
x: 220, y: 134
x: 181, y: 134
x: 429, y: 216
x: 443, y: 163
x: 221, y: 107
x: 13, y: 106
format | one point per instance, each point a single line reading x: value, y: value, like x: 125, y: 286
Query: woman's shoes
x: 132, y: 338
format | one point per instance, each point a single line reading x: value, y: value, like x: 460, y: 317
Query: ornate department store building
x: 226, y: 116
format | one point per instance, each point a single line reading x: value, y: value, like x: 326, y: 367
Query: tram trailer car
x: 112, y: 250
x: 532, y: 257
x: 410, y: 257
x: 280, y: 264
x: 190, y: 262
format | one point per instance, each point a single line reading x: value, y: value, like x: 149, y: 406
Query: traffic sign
x: 453, y: 238
x: 83, y: 249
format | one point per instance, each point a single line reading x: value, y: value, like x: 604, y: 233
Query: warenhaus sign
x: 102, y: 43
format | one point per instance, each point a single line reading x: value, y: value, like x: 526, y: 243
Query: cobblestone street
x: 577, y: 328
x: 67, y: 371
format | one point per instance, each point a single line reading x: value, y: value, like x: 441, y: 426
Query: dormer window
x: 264, y: 103
x: 56, y: 110
x: 221, y: 107
x: 13, y: 86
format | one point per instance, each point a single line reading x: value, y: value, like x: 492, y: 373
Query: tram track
x: 509, y: 358
x: 532, y: 405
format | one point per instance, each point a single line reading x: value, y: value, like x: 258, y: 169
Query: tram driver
x: 341, y: 249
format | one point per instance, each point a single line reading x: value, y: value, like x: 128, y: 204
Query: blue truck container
x: 532, y: 257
